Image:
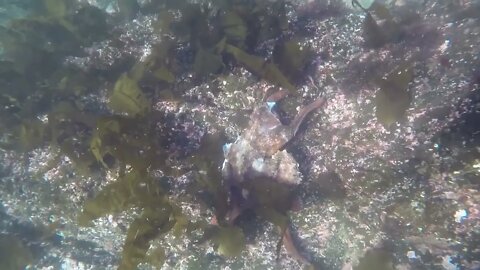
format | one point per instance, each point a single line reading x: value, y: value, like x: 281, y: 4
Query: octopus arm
x: 304, y: 112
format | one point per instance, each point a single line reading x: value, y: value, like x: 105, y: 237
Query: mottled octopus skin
x: 258, y: 151
x: 257, y: 154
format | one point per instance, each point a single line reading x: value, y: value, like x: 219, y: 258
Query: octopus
x: 258, y: 159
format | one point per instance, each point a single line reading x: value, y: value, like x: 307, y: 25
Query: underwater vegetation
x: 42, y: 101
x: 10, y: 247
x: 105, y: 119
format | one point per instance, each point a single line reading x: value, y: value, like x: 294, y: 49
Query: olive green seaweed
x: 150, y: 224
x: 32, y: 134
x: 230, y: 241
x: 13, y: 253
x: 163, y: 74
x: 292, y: 59
x: 128, y: 98
x: 376, y: 35
x: 57, y: 8
x: 260, y: 67
x: 211, y: 181
x: 234, y: 28
x: 394, y: 98
x: 207, y: 63
x: 47, y: 102
x: 376, y: 260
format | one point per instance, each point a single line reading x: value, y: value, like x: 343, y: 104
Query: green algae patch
x: 57, y: 8
x: 107, y: 127
x: 260, y: 67
x: 128, y: 98
x: 234, y: 28
x: 150, y: 224
x: 207, y: 159
x: 230, y: 241
x: 292, y: 59
x: 207, y: 63
x: 394, y: 98
x: 13, y: 253
x: 270, y: 193
x: 118, y: 196
x: 158, y: 216
x: 376, y: 260
x: 164, y: 74
x: 379, y: 26
x: 48, y: 102
x: 32, y: 134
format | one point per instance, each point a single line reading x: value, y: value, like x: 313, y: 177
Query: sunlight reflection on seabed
x: 114, y: 114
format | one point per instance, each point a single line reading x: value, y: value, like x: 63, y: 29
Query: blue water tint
x: 271, y: 104
x: 226, y: 148
x: 9, y: 11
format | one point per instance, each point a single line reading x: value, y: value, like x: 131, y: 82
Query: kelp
x: 70, y: 132
x: 394, y: 98
x: 147, y: 227
x: 34, y: 49
x: 207, y: 63
x: 260, y: 67
x: 72, y: 81
x: 106, y: 130
x: 264, y: 21
x: 236, y: 32
x: 125, y: 192
x: 194, y: 26
x: 376, y: 259
x: 24, y: 44
x: 234, y: 28
x: 89, y: 25
x: 131, y: 141
x: 292, y: 59
x: 230, y: 241
x: 32, y: 134
x: 65, y: 127
x: 12, y: 98
x: 128, y: 98
x: 62, y: 29
x: 13, y: 253
x: 43, y: 99
x: 270, y: 194
x: 379, y: 26
x: 164, y: 74
x: 273, y: 201
x: 57, y: 8
x: 135, y: 189
x: 209, y: 185
x: 158, y: 72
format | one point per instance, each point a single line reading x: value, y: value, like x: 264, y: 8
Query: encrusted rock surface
x: 397, y: 192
